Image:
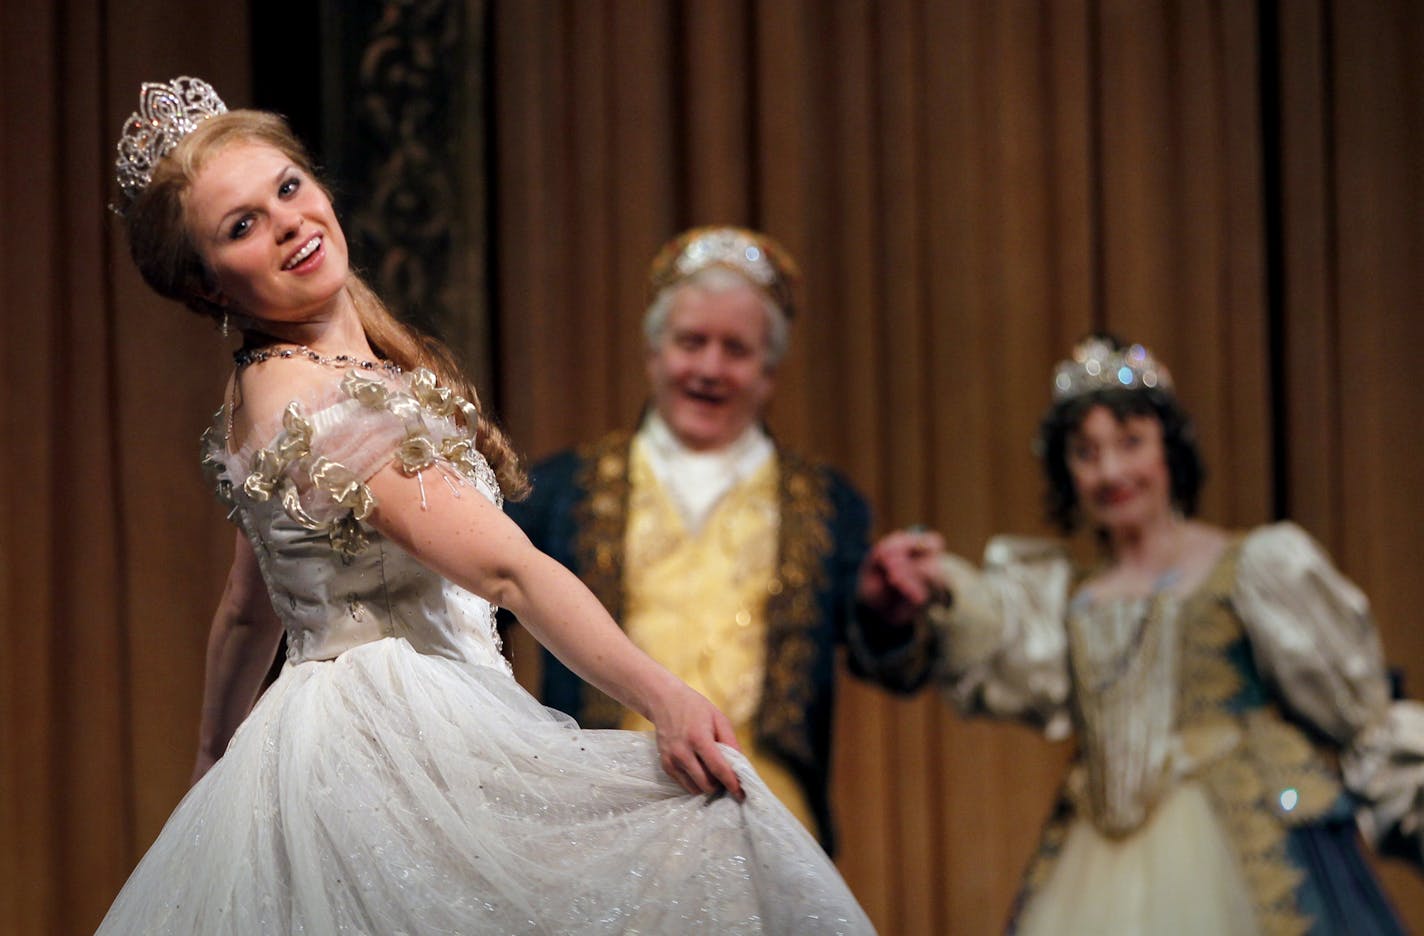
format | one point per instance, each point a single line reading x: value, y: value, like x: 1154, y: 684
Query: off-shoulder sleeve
x: 1314, y: 640
x: 328, y: 445
x: 1003, y: 647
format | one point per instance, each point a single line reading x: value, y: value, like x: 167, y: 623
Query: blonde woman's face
x: 267, y: 234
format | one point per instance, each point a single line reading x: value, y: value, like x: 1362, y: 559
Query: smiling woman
x: 192, y: 243
x: 395, y: 777
x: 1226, y: 689
x: 270, y: 240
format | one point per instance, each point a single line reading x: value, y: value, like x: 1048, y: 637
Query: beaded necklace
x: 243, y: 357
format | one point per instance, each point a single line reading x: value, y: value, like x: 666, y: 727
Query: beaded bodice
x: 301, y: 498
x: 1164, y: 689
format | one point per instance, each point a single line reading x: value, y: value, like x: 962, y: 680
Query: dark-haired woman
x: 395, y: 778
x: 1227, y: 691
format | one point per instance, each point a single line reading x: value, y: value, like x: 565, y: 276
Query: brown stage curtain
x: 111, y: 550
x: 969, y: 188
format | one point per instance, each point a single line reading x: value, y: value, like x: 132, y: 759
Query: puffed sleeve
x: 1003, y: 647
x: 329, y: 444
x: 1314, y: 640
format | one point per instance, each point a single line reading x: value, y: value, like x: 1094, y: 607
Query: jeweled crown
x: 167, y: 112
x: 753, y: 255
x: 1097, y: 365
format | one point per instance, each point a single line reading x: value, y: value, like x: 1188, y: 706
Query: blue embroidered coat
x: 577, y: 513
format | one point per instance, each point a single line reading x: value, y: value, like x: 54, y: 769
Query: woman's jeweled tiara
x: 167, y: 112
x: 1097, y: 365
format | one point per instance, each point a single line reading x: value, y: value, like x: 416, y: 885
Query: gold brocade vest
x: 696, y: 602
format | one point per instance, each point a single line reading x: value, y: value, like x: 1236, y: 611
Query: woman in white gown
x: 395, y: 778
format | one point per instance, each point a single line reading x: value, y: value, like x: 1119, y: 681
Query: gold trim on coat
x: 792, y: 608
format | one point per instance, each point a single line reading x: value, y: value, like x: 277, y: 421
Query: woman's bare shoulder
x: 262, y: 391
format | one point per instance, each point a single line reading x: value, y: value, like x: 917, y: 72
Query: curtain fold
x: 111, y: 551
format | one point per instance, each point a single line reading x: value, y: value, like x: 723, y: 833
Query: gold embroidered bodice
x: 300, y: 496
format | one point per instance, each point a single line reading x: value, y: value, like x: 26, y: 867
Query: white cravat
x: 696, y: 481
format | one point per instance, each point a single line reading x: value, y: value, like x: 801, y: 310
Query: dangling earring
x: 223, y: 327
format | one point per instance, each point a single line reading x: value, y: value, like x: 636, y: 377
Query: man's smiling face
x: 710, y: 369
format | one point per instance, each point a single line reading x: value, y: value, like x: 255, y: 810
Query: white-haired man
x: 736, y: 563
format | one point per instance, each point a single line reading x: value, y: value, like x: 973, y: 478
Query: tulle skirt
x: 390, y: 792
x: 1176, y: 875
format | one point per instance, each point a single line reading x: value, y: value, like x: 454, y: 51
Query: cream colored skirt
x: 1177, y: 874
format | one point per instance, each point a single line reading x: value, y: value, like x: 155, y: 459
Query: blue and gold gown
x: 1230, y: 739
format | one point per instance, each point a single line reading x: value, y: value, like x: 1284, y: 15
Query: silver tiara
x: 167, y: 112
x: 730, y: 247
x: 1097, y: 365
x: 754, y: 255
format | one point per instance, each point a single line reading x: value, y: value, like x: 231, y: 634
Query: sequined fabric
x: 396, y: 779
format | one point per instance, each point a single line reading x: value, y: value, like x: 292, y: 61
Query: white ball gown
x: 395, y: 779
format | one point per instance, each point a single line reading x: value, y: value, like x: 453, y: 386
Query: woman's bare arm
x: 471, y: 542
x: 241, y: 643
